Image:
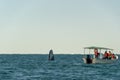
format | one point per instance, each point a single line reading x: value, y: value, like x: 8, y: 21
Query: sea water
x: 64, y: 67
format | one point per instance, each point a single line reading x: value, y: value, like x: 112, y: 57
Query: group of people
x: 107, y: 55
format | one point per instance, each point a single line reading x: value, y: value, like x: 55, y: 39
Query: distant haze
x: 66, y: 26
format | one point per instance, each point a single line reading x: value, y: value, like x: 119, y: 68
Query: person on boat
x: 96, y: 53
x: 109, y: 55
x: 105, y: 55
x: 88, y: 59
x: 113, y: 56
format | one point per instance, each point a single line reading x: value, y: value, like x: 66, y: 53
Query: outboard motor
x: 88, y: 59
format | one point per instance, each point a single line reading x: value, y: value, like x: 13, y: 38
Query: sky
x: 66, y: 26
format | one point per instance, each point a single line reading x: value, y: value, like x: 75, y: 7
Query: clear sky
x: 66, y: 26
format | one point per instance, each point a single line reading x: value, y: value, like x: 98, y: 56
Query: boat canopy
x: 94, y: 47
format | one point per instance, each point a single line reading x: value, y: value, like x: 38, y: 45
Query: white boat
x: 90, y: 58
x: 95, y: 60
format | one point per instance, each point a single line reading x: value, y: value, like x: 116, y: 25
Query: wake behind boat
x: 98, y: 56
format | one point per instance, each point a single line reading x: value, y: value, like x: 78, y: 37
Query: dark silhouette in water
x: 88, y: 59
x: 51, y: 55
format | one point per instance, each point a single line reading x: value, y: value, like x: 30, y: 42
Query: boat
x: 100, y: 58
x: 51, y: 55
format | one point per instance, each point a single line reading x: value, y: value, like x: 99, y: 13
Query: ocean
x: 64, y: 67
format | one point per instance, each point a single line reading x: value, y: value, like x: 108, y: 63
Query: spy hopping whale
x: 51, y: 55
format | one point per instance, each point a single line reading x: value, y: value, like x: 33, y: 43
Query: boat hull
x: 95, y: 60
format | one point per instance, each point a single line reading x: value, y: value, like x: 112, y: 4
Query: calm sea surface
x: 65, y: 67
